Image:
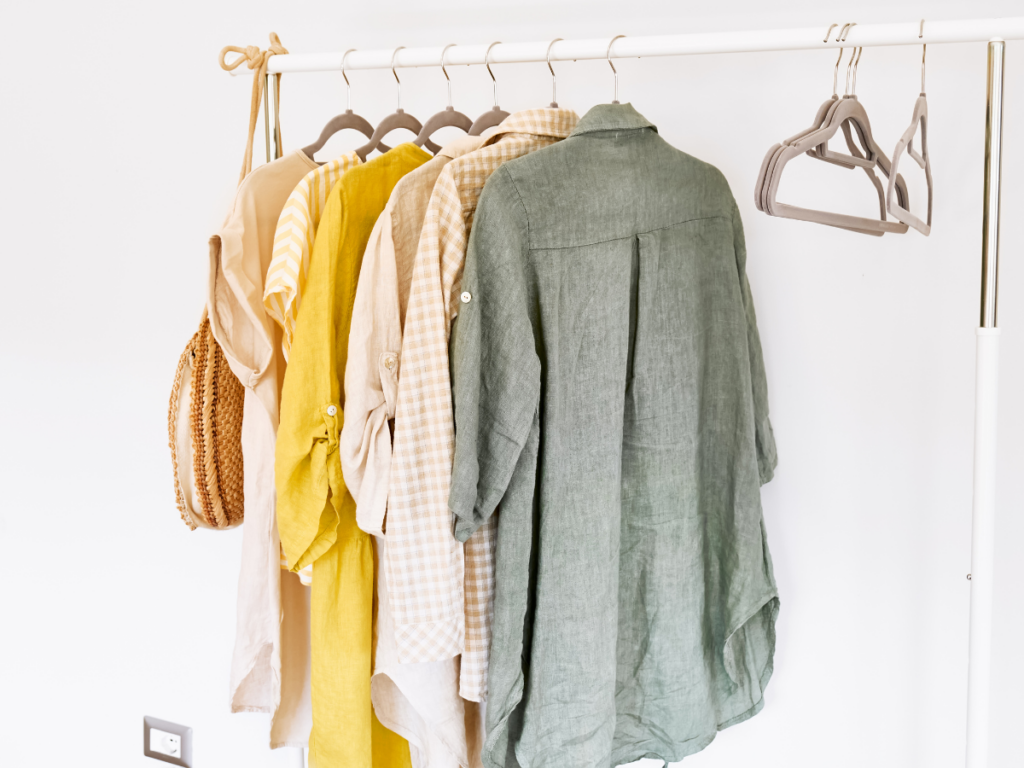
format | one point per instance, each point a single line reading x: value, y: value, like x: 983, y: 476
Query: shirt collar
x: 612, y: 117
x: 460, y: 146
x: 555, y: 122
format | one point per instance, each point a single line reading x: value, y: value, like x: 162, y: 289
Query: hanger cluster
x: 449, y: 116
x: 445, y: 118
x: 848, y: 114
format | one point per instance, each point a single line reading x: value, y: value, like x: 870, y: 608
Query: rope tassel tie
x: 256, y: 60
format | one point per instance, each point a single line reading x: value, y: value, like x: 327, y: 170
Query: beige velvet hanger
x: 445, y: 118
x: 847, y: 109
x: 347, y: 119
x: 397, y: 119
x: 906, y: 142
x: 494, y: 116
x: 819, y: 152
x: 848, y: 115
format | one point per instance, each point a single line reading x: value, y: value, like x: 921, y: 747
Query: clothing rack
x: 994, y: 32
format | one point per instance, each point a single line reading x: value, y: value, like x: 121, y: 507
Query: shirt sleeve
x: 371, y: 379
x: 766, y: 454
x: 495, y: 361
x: 239, y: 323
x: 311, y: 417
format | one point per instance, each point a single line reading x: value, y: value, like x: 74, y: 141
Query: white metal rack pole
x: 991, y: 31
x: 985, y: 428
x: 902, y: 33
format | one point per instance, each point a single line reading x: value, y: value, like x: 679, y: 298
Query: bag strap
x: 257, y: 61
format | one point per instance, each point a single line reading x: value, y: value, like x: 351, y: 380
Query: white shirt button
x: 466, y: 296
x: 389, y: 363
x: 331, y: 410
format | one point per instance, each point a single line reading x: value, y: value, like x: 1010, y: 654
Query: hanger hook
x: 393, y: 55
x: 849, y: 69
x: 835, y: 73
x: 494, y: 83
x: 924, y: 51
x: 856, y: 66
x: 845, y: 31
x: 445, y: 72
x: 554, y: 93
x: 348, y: 85
x: 615, y: 72
x: 829, y: 33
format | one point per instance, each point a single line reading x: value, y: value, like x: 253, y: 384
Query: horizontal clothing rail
x: 807, y: 38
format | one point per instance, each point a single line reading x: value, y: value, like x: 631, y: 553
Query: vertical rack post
x: 985, y: 427
x: 270, y: 91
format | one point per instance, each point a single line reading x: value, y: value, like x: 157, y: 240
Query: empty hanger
x: 856, y: 158
x: 820, y: 152
x: 492, y: 117
x: 615, y: 72
x: 348, y: 119
x: 847, y: 109
x: 845, y: 113
x: 906, y: 142
x: 768, y: 178
x: 876, y: 158
x: 768, y: 165
x: 554, y: 85
x: 398, y: 119
x: 446, y: 117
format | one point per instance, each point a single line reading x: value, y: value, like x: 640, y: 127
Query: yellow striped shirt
x: 293, y: 243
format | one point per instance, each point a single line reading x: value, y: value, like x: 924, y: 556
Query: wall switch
x: 166, y: 741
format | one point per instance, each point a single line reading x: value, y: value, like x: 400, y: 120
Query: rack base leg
x: 982, y: 547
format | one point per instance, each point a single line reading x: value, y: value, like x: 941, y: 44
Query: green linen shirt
x: 610, y: 393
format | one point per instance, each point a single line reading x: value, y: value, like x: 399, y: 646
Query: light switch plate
x: 166, y: 741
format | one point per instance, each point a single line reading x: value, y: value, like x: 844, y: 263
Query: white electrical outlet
x: 165, y: 743
x: 168, y: 742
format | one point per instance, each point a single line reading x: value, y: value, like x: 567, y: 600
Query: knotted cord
x: 257, y: 61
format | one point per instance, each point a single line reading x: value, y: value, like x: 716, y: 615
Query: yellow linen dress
x: 315, y: 512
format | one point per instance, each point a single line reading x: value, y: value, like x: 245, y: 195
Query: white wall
x: 122, y: 143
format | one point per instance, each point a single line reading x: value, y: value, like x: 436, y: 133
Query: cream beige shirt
x: 375, y: 341
x: 419, y: 701
x: 270, y: 664
x: 441, y: 592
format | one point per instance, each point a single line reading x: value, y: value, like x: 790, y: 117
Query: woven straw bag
x: 204, y: 423
x: 204, y: 418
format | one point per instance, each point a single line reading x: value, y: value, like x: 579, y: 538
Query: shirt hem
x: 696, y: 743
x: 241, y: 708
x: 408, y: 732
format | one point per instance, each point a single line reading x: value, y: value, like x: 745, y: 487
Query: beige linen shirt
x: 270, y: 664
x: 440, y: 591
x: 419, y: 701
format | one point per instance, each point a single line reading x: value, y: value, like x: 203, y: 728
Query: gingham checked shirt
x: 441, y: 592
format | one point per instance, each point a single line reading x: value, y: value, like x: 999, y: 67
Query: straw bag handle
x: 257, y: 61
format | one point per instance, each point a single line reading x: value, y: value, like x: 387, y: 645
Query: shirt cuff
x: 464, y: 528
